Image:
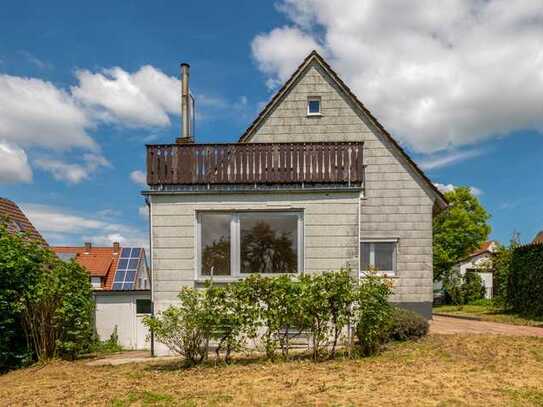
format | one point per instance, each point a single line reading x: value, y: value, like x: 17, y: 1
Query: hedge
x: 525, y: 288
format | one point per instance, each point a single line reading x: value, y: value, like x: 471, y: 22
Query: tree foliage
x: 459, y: 230
x: 46, y: 304
x: 525, y: 285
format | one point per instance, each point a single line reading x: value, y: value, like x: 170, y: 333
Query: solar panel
x: 127, y: 268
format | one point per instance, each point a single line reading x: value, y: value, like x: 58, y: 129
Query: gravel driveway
x: 449, y: 325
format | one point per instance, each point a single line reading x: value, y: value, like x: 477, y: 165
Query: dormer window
x: 314, y: 106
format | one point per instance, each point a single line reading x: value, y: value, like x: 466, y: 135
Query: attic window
x: 314, y: 106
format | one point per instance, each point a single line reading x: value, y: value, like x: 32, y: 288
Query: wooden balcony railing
x: 255, y: 163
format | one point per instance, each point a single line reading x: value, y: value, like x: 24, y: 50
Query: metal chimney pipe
x: 186, y: 136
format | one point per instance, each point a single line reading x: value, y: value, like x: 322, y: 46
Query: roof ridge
x: 315, y: 55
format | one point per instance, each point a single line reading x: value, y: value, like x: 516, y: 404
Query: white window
x: 379, y: 256
x: 96, y: 282
x: 314, y: 106
x: 240, y: 243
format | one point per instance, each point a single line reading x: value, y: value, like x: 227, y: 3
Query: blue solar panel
x: 127, y: 268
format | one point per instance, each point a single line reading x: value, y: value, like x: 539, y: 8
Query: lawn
x: 486, y: 312
x: 439, y: 370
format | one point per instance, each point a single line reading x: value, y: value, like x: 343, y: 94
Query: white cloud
x: 433, y: 162
x: 438, y: 74
x: 450, y: 187
x: 73, y: 173
x: 279, y: 52
x: 65, y: 226
x: 14, y: 165
x: 144, y: 98
x: 36, y: 113
x: 139, y: 178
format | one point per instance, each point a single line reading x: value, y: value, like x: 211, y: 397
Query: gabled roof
x: 98, y: 261
x: 486, y: 247
x: 17, y: 220
x: 538, y: 238
x: 104, y: 262
x: 314, y: 56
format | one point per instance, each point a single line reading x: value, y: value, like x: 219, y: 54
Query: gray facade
x: 396, y: 202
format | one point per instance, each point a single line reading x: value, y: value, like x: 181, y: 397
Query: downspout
x: 148, y: 203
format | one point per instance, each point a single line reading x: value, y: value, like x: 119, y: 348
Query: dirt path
x: 449, y: 325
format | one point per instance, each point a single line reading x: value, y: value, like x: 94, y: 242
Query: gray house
x: 314, y: 184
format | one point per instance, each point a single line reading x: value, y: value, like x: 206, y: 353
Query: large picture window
x: 240, y: 243
x: 215, y: 244
x: 379, y: 256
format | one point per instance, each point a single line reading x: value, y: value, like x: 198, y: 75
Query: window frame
x: 150, y: 306
x: 391, y: 273
x: 314, y: 99
x: 98, y: 284
x: 235, y: 250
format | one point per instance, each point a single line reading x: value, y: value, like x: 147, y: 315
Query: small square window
x: 143, y: 306
x: 314, y: 106
x: 379, y: 256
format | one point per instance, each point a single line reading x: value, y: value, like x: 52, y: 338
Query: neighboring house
x: 314, y: 184
x: 538, y: 239
x: 16, y: 220
x: 480, y: 262
x: 121, y: 287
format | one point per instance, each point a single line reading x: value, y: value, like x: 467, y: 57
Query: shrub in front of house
x: 407, y: 325
x: 373, y: 313
x: 525, y: 286
x: 274, y: 312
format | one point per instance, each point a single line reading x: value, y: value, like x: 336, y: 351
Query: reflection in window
x: 215, y: 244
x: 268, y: 242
x: 378, y: 256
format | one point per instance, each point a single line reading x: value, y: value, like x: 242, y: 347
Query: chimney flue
x: 186, y: 136
x: 116, y: 247
x: 88, y: 246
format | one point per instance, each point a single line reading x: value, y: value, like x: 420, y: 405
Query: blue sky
x: 71, y: 149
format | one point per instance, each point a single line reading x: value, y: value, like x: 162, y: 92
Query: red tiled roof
x: 485, y: 247
x: 17, y: 220
x: 538, y: 238
x: 98, y: 266
x: 98, y: 261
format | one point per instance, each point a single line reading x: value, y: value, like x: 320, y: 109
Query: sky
x: 84, y: 86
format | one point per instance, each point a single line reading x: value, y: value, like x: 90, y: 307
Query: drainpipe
x: 151, y: 280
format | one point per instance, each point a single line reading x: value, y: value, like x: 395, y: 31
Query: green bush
x: 185, y: 328
x: 473, y: 288
x: 373, y: 313
x: 279, y: 309
x: 46, y: 304
x: 407, y: 325
x: 525, y: 288
x: 232, y: 315
x: 460, y: 290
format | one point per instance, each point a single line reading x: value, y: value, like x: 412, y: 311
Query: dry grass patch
x: 450, y: 370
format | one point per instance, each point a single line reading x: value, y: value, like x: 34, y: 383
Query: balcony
x: 254, y: 165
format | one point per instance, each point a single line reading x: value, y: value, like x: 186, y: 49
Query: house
x: 121, y: 289
x: 538, y: 239
x: 17, y: 222
x: 314, y: 184
x: 480, y: 262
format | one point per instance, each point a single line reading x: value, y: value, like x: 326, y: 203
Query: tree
x: 459, y: 230
x: 46, y: 305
